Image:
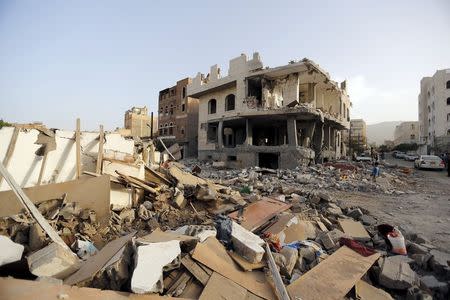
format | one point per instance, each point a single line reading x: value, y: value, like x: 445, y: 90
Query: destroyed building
x: 178, y: 117
x: 138, y: 123
x: 270, y: 117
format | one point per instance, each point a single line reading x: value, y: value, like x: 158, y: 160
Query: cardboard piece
x: 332, y: 278
x: 90, y: 192
x: 365, y: 291
x: 354, y: 229
x: 13, y: 289
x: 158, y: 236
x: 212, y: 254
x: 258, y: 213
x: 220, y: 287
x: 199, y: 273
x: 95, y: 263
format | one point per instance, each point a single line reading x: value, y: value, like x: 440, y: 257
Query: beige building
x: 358, y: 135
x: 406, y: 133
x: 137, y: 122
x: 270, y: 117
x: 434, y: 110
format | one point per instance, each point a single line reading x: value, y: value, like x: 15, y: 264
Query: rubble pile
x: 193, y: 231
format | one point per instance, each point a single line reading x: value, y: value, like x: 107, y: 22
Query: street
x: 425, y: 208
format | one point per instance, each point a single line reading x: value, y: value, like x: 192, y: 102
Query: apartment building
x: 406, y: 133
x: 178, y: 117
x: 138, y: 122
x: 434, y: 111
x: 358, y: 135
x: 270, y: 117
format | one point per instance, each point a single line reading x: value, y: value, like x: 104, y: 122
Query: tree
x: 4, y: 124
x: 406, y: 147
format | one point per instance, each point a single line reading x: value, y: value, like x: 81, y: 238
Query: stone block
x: 430, y: 283
x: 327, y: 241
x: 396, y: 273
x: 53, y: 261
x: 291, y: 256
x: 355, y: 214
x: 10, y: 251
x: 36, y: 237
x: 247, y: 244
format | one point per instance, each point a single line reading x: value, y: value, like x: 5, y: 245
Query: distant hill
x: 379, y: 132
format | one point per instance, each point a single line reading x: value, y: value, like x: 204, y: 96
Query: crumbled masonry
x: 199, y: 234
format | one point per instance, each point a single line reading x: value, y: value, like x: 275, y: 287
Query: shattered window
x: 212, y: 106
x: 230, y: 102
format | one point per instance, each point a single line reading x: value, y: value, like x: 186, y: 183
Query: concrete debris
x: 247, y: 244
x: 396, y: 274
x: 150, y: 261
x: 10, y: 252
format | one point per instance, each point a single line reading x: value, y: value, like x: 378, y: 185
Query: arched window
x: 212, y: 106
x: 448, y: 101
x: 170, y: 128
x: 348, y: 114
x: 229, y: 102
x: 171, y: 109
x: 448, y: 84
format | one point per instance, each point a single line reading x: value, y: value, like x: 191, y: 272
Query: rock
x: 355, y: 213
x: 206, y: 192
x: 414, y: 293
x: 148, y: 205
x: 279, y: 259
x: 303, y: 178
x: 440, y: 262
x: 10, y: 251
x: 143, y: 213
x: 334, y: 210
x: 36, y: 237
x: 150, y: 260
x: 327, y: 241
x: 179, y: 200
x: 202, y: 232
x: 414, y: 248
x: 422, y: 239
x: 368, y: 220
x: 53, y: 261
x: 432, y: 284
x: 291, y: 256
x: 127, y: 215
x: 396, y: 274
x: 421, y: 259
x: 324, y: 196
x: 50, y: 280
x: 247, y: 244
x: 307, y: 253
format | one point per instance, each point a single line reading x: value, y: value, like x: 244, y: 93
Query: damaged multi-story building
x: 270, y: 117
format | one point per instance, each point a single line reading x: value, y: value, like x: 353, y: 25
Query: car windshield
x: 430, y: 157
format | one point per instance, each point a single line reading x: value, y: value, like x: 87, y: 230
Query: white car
x: 429, y: 162
x: 411, y: 157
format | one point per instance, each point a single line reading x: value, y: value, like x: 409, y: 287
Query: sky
x: 60, y: 60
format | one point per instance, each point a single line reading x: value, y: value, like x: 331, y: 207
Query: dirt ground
x: 425, y: 211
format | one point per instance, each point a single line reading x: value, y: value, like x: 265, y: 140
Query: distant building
x: 434, y: 112
x: 406, y: 133
x: 178, y: 117
x: 358, y: 135
x: 137, y: 122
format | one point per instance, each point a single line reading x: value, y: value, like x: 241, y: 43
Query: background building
x: 434, y: 112
x: 406, y: 133
x: 178, y: 117
x: 270, y: 117
x: 137, y: 122
x: 358, y: 135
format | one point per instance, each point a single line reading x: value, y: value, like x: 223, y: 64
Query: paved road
x: 425, y: 208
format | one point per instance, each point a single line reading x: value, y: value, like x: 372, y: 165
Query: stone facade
x: 137, y: 122
x: 272, y: 117
x: 406, y: 133
x: 178, y: 117
x: 434, y: 109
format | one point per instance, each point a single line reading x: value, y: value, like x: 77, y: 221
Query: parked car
x: 429, y: 162
x: 400, y: 154
x: 411, y: 157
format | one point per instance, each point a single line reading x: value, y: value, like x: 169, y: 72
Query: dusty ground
x: 426, y: 211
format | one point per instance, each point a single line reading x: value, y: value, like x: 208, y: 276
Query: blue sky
x: 95, y: 59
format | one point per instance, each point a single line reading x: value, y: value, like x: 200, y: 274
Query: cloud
x: 375, y: 104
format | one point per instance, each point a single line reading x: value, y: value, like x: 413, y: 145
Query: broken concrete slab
x: 150, y: 260
x: 202, y: 232
x: 355, y: 214
x: 178, y: 199
x: 10, y: 252
x: 53, y: 261
x: 365, y: 291
x: 291, y: 257
x: 354, y: 229
x: 440, y: 262
x: 431, y: 283
x: 247, y: 244
x: 396, y: 273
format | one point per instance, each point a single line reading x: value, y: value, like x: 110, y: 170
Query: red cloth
x: 357, y: 246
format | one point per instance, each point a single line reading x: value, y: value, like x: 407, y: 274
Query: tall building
x: 270, y: 117
x: 434, y: 111
x: 137, y: 122
x: 406, y: 133
x: 178, y: 117
x: 358, y: 135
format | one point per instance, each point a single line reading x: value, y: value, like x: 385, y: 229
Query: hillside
x: 379, y: 132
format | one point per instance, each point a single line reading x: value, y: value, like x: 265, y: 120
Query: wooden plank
x: 334, y: 277
x: 156, y: 177
x: 41, y: 171
x: 78, y: 148
x: 132, y: 180
x: 195, y: 269
x: 220, y: 287
x: 279, y: 285
x: 28, y: 204
x: 177, y: 287
x: 101, y: 140
x: 213, y: 254
x: 258, y: 213
x: 244, y: 264
x: 10, y: 151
